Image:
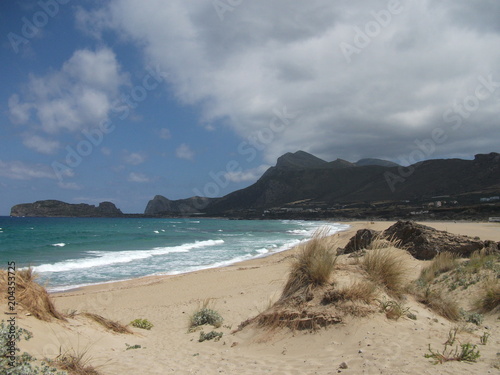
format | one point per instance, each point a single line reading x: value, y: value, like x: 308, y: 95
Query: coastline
x: 238, y: 292
x: 484, y: 230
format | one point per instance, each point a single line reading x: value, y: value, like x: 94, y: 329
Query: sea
x: 68, y: 253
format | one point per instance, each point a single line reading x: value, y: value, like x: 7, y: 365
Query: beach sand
x: 370, y: 345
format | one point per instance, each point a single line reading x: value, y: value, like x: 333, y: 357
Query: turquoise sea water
x: 71, y: 252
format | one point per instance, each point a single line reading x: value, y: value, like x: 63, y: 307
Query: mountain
x: 160, y: 205
x: 299, y: 160
x: 54, y: 208
x: 302, y: 179
x: 380, y: 162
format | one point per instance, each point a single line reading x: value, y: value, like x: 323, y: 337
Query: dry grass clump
x: 30, y: 295
x: 107, y: 323
x: 295, y: 320
x: 489, y: 299
x: 364, y: 291
x: 313, y: 265
x: 387, y: 266
x: 440, y: 304
x: 75, y: 365
x: 443, y: 262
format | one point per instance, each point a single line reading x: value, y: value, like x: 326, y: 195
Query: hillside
x: 340, y: 182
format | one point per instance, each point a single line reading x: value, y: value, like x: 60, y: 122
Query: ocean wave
x: 107, y: 258
x: 60, y: 244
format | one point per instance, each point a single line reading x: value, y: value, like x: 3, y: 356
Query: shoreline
x: 159, y: 278
x: 461, y: 227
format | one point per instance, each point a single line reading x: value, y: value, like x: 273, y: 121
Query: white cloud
x: 138, y: 177
x: 40, y: 144
x: 18, y: 170
x: 184, y: 152
x: 165, y: 133
x: 265, y: 56
x: 78, y: 96
x: 69, y: 185
x: 134, y: 158
x: 248, y: 175
x: 19, y: 112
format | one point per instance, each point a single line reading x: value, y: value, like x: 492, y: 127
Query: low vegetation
x: 31, y: 296
x: 363, y: 290
x: 216, y: 336
x: 75, y: 364
x: 393, y: 309
x: 443, y: 262
x: 107, y: 323
x: 12, y: 362
x: 387, y: 266
x: 463, y: 353
x: 142, y: 323
x: 489, y: 298
x: 205, y: 314
x: 312, y: 267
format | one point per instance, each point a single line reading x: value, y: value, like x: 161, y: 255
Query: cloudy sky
x: 112, y: 100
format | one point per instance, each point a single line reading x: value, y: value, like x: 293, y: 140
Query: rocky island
x: 55, y: 208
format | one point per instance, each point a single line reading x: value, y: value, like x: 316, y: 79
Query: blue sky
x: 109, y: 100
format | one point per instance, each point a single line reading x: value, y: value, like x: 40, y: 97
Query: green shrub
x: 210, y: 335
x: 13, y: 363
x: 142, y: 323
x: 204, y: 316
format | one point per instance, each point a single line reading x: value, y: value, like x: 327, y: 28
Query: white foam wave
x: 107, y: 258
x: 60, y: 244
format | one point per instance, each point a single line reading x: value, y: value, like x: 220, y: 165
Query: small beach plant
x: 205, y: 315
x: 141, y: 323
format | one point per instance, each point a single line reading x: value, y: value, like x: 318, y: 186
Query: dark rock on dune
x: 361, y: 240
x: 421, y: 241
x: 54, y: 208
x: 424, y: 242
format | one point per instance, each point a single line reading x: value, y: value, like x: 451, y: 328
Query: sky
x: 122, y: 100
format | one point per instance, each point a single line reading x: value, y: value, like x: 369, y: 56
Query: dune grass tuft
x: 107, y: 323
x: 364, y: 291
x: 489, y: 298
x: 30, y: 295
x: 387, y: 266
x: 312, y: 266
x: 75, y: 363
x: 439, y: 303
x: 443, y: 262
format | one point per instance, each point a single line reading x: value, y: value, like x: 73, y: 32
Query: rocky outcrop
x: 160, y: 205
x: 54, y: 208
x: 424, y: 242
x: 421, y: 241
x: 361, y: 240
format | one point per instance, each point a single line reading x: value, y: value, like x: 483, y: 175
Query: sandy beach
x: 369, y: 345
